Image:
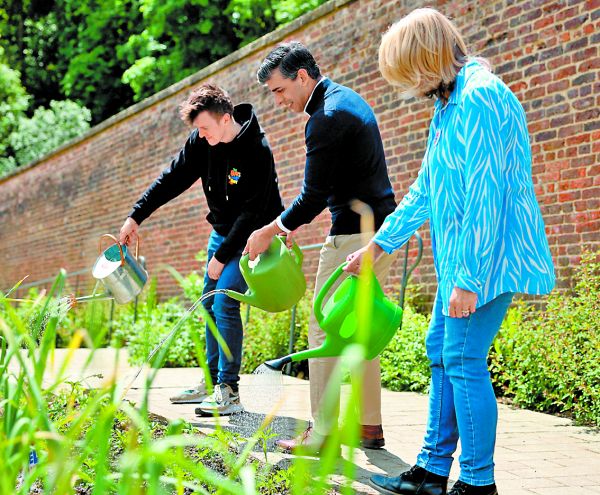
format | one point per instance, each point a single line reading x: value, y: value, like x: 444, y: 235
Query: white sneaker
x: 223, y: 401
x: 192, y: 396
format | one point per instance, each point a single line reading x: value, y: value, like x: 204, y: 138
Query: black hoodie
x: 238, y: 178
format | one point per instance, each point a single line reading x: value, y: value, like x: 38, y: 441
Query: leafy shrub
x: 47, y: 129
x: 154, y: 322
x: 404, y: 364
x: 548, y: 361
x: 93, y: 319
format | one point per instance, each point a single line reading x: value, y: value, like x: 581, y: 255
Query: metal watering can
x: 120, y: 272
x: 339, y: 321
x: 275, y: 279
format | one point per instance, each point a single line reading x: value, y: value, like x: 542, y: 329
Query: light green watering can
x: 339, y: 321
x: 275, y: 279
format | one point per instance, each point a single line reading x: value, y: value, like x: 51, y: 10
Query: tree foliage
x: 106, y: 54
x: 180, y: 37
x: 13, y: 104
x: 47, y: 129
x: 92, y: 75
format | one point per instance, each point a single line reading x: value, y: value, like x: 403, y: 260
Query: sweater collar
x: 317, y: 95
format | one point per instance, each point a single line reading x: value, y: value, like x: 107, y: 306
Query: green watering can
x: 275, y: 279
x: 339, y: 321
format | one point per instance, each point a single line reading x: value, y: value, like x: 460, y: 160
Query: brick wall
x: 53, y: 212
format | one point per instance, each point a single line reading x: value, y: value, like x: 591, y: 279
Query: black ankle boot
x: 415, y: 481
x: 462, y: 488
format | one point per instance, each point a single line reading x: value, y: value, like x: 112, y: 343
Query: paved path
x: 535, y: 454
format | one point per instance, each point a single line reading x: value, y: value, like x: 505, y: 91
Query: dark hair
x: 289, y: 58
x: 207, y: 98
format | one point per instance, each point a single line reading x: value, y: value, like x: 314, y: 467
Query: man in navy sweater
x: 344, y: 162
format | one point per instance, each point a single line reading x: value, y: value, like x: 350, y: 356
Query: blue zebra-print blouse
x: 476, y: 190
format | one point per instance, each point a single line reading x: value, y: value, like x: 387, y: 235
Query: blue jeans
x: 461, y: 398
x: 225, y: 312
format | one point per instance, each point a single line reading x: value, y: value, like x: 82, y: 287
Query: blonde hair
x: 423, y: 49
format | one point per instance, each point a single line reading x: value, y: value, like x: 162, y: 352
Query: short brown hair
x: 207, y: 98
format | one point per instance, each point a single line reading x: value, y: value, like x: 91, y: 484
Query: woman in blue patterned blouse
x: 487, y: 236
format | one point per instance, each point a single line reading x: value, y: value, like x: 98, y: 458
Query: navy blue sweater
x: 344, y: 161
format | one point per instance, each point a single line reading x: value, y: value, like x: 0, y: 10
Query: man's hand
x: 260, y: 240
x: 215, y: 268
x: 462, y: 303
x: 128, y: 231
x: 289, y: 238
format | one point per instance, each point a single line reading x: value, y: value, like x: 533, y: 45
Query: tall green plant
x: 91, y: 439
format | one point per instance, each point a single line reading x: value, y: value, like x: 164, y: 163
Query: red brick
x: 591, y: 193
x: 590, y: 114
x: 566, y: 14
x: 590, y: 226
x: 591, y: 5
x: 570, y: 130
x: 587, y: 67
x: 554, y: 145
x: 543, y: 22
x: 564, y: 72
x: 558, y: 62
x: 564, y: 37
x: 558, y: 86
x: 581, y: 138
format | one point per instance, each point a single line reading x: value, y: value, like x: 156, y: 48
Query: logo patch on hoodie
x: 234, y: 176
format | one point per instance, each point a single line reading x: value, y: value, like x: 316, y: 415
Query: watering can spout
x: 338, y: 319
x: 247, y: 298
x: 326, y: 350
x: 278, y: 364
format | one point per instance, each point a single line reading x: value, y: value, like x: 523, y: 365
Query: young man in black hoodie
x: 228, y: 150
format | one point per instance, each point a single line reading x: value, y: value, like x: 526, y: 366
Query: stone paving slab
x: 536, y: 453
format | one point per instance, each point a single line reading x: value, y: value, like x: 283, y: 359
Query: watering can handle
x: 116, y: 241
x: 325, y: 290
x: 298, y: 252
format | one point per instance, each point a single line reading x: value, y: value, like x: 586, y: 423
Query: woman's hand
x: 355, y: 259
x: 462, y: 303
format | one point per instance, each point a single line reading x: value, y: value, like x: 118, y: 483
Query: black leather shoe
x: 415, y: 481
x: 462, y: 488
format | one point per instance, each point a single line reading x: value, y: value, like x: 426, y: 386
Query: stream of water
x: 265, y: 390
